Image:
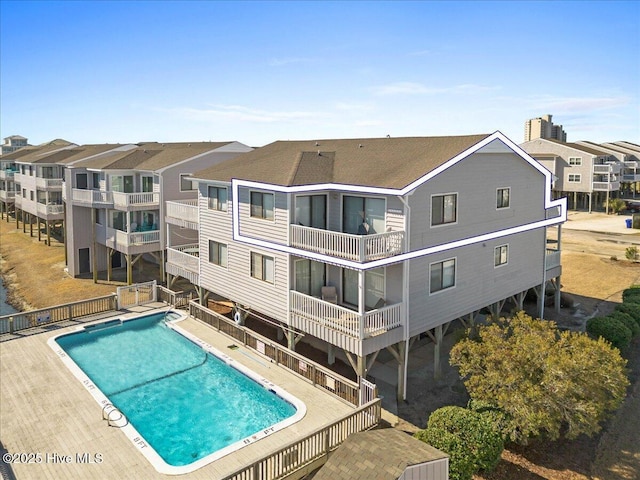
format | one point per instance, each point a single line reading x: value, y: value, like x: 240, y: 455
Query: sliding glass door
x: 311, y: 211
x: 373, y: 283
x: 363, y: 215
x: 310, y: 277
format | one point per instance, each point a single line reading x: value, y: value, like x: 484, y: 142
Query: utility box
x: 636, y: 220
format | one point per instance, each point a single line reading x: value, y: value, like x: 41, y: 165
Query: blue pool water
x: 185, y: 402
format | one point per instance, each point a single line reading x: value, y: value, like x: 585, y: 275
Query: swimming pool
x: 180, y: 401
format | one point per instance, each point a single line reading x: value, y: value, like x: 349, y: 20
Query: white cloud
x: 242, y: 113
x: 280, y: 62
x: 568, y: 105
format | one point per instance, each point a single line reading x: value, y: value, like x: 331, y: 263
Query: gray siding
x: 436, y: 470
x: 276, y: 230
x: 478, y: 282
x: 235, y: 281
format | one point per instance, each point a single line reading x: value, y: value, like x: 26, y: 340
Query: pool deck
x: 45, y: 410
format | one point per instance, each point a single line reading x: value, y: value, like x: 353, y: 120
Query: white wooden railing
x: 43, y: 209
x: 552, y: 258
x: 604, y: 186
x: 184, y: 210
x: 4, y: 195
x: 360, y: 248
x: 117, y: 237
x: 124, y: 200
x: 92, y: 196
x: 184, y: 256
x: 48, y: 182
x: 345, y: 320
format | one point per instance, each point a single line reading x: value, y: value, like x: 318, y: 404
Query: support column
x: 48, y: 233
x: 94, y: 257
x: 361, y: 306
x: 291, y: 340
x: 129, y: 269
x: 437, y: 367
x: 331, y: 354
x: 109, y: 260
x: 557, y: 297
x: 402, y: 346
x: 38, y: 228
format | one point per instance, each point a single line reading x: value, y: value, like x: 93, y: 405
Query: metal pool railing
x: 320, y: 376
x: 311, y: 452
x: 59, y: 313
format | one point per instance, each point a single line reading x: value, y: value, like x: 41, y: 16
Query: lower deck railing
x: 312, y: 451
x: 59, y: 313
x: 175, y: 299
x: 319, y: 376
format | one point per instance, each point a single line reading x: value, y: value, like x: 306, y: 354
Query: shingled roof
x: 377, y: 455
x: 376, y: 162
x: 34, y: 153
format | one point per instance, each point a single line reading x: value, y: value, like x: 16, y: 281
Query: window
x: 374, y: 283
x: 147, y: 184
x: 81, y: 181
x: 310, y: 277
x: 217, y: 198
x: 311, y: 211
x: 262, y: 267
x: 99, y: 216
x: 95, y: 178
x: 185, y: 184
x: 218, y: 253
x: 502, y: 200
x: 262, y: 205
x: 31, y: 195
x: 443, y: 275
x: 501, y: 255
x: 574, y: 178
x: 121, y: 183
x: 575, y: 161
x: 444, y: 209
x: 363, y: 215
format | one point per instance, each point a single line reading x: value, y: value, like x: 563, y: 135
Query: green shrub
x: 628, y: 322
x: 630, y: 308
x: 629, y: 293
x: 631, y: 253
x: 467, y: 437
x: 611, y: 329
x: 501, y: 421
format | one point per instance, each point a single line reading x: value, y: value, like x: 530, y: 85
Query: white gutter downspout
x: 405, y: 290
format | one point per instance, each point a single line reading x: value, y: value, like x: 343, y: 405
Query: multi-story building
x: 366, y: 244
x: 543, y: 127
x: 13, y: 143
x: 116, y: 196
x: 588, y: 175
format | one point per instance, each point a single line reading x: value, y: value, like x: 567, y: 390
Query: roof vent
x: 317, y: 144
x: 360, y: 145
x: 318, y: 152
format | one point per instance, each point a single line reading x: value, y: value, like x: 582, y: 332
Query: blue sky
x: 256, y: 72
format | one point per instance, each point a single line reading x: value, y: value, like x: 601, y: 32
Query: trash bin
x: 628, y: 222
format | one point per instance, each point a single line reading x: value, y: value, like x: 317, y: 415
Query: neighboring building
x: 116, y: 196
x: 588, y: 175
x: 13, y: 143
x: 363, y: 245
x: 38, y: 185
x: 543, y: 127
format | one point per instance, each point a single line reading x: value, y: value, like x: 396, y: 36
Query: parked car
x: 632, y: 206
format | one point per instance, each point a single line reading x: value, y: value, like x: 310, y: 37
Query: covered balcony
x: 358, y: 248
x: 183, y: 260
x: 132, y: 242
x: 606, y: 186
x: 49, y: 183
x: 613, y: 168
x: 183, y: 213
x: 305, y: 308
x: 92, y: 198
x: 552, y: 258
x: 136, y: 201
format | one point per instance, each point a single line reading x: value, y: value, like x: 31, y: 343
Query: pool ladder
x: 113, y: 416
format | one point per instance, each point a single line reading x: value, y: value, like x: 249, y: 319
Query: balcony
x: 336, y: 318
x: 49, y: 183
x: 604, y: 186
x: 183, y: 261
x: 136, y: 201
x: 49, y: 210
x: 631, y: 177
x: 552, y: 258
x: 133, y: 243
x: 631, y: 164
x: 7, y: 196
x: 607, y: 168
x: 7, y: 174
x: 358, y: 248
x: 183, y: 213
x: 91, y: 198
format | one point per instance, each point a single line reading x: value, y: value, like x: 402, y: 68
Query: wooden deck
x: 44, y: 409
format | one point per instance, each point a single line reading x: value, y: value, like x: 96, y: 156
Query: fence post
x: 115, y: 301
x: 10, y: 318
x: 70, y: 312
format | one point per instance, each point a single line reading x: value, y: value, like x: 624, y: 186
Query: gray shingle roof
x: 577, y: 146
x: 377, y: 455
x: 376, y: 162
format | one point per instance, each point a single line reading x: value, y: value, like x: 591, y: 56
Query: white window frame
x: 575, y: 161
x: 262, y: 216
x: 220, y: 206
x: 574, y: 178
x: 455, y: 275
x: 498, y: 253
x: 454, y: 222
x: 262, y: 274
x: 223, y: 256
x: 181, y: 177
x: 498, y: 198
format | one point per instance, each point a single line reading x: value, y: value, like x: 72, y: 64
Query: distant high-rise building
x: 543, y: 127
x: 13, y: 143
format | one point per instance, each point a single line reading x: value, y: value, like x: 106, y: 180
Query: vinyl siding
x: 276, y: 230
